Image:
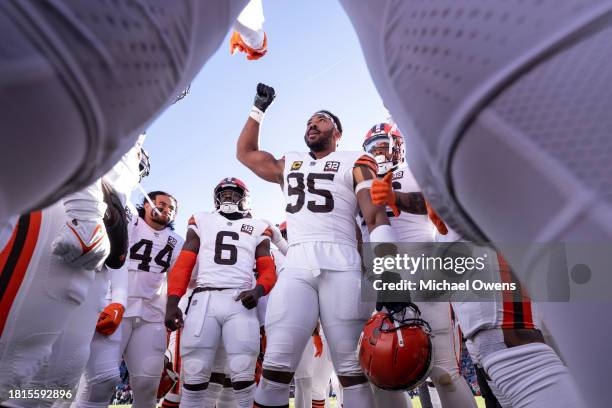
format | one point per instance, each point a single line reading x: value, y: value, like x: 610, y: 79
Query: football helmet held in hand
x: 396, y: 354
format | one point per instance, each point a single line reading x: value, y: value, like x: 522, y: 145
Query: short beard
x: 155, y: 219
x: 322, y: 144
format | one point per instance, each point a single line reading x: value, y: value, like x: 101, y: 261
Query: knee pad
x: 444, y: 375
x: 98, y: 391
x: 197, y: 369
x: 282, y: 351
x: 242, y: 366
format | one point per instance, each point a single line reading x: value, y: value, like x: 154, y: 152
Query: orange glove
x: 238, y: 44
x: 437, y: 221
x: 109, y: 319
x: 318, y: 345
x: 382, y: 193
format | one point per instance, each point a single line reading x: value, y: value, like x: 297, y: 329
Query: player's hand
x: 249, y: 298
x: 238, y: 44
x: 437, y: 221
x: 264, y: 97
x: 82, y: 244
x: 174, y: 315
x: 276, y: 233
x: 392, y: 300
x: 110, y: 318
x: 318, y: 345
x: 382, y: 193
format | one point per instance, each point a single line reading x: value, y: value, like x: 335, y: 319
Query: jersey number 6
x: 298, y: 190
x: 220, y: 247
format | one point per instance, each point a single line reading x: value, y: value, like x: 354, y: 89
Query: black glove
x: 393, y: 300
x: 250, y: 298
x: 174, y: 315
x: 264, y: 97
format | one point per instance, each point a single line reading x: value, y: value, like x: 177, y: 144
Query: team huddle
x: 240, y: 308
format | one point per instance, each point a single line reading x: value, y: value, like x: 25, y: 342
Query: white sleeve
x: 86, y: 204
x: 250, y: 24
x: 119, y: 284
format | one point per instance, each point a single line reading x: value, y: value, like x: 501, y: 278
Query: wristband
x: 256, y: 114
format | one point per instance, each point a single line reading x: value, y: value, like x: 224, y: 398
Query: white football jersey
x: 227, y: 249
x: 321, y: 209
x: 407, y: 227
x: 151, y: 255
x: 321, y: 199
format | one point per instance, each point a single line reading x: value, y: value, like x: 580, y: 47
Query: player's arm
x: 375, y: 216
x: 277, y: 238
x: 179, y: 276
x: 380, y: 230
x: 382, y: 193
x: 413, y: 203
x: 248, y: 35
x: 248, y: 153
x: 266, y: 276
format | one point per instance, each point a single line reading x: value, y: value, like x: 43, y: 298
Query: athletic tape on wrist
x: 382, y: 233
x: 363, y: 184
x: 257, y: 114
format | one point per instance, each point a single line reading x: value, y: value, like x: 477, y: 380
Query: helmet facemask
x: 386, y: 153
x: 144, y: 167
x: 232, y: 200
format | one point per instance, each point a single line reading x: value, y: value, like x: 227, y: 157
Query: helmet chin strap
x: 151, y: 203
x: 142, y: 190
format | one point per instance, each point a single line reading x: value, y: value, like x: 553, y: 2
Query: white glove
x: 277, y: 238
x: 82, y: 244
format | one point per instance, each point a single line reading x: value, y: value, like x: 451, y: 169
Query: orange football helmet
x: 396, y: 354
x: 386, y: 144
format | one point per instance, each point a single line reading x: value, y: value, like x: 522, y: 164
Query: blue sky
x: 314, y: 62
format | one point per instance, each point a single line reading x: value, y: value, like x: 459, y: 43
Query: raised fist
x: 264, y: 97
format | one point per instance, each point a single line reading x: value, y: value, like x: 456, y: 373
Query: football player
x: 90, y: 76
x: 56, y: 359
x: 515, y: 323
x: 60, y: 278
x: 323, y: 188
x: 70, y: 352
x: 485, y: 106
x: 219, y: 391
x: 504, y: 338
x: 407, y: 212
x: 136, y: 333
x: 226, y: 245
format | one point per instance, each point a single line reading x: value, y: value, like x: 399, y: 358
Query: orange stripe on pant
x: 14, y: 261
x: 177, y: 362
x: 517, y: 304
